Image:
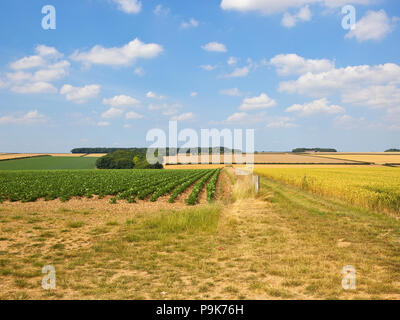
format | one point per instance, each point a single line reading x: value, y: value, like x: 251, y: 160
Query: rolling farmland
x: 129, y: 221
x: 198, y: 222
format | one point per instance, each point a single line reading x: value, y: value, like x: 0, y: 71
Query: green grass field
x: 49, y: 163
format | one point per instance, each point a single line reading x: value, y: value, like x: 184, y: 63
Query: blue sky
x: 113, y: 69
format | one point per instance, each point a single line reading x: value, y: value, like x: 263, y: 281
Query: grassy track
x: 49, y: 163
x: 322, y: 236
x: 285, y: 244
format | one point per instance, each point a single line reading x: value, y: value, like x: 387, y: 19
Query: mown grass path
x: 322, y: 236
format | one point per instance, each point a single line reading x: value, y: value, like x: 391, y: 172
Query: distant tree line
x: 106, y: 150
x: 392, y: 150
x: 169, y: 151
x: 297, y: 150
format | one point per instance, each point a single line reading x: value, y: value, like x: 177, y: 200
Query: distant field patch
x: 377, y: 158
x: 66, y: 154
x: 263, y: 158
x: 95, y: 155
x: 7, y: 156
x: 48, y: 163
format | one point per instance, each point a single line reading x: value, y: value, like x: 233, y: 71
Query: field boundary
x: 355, y: 161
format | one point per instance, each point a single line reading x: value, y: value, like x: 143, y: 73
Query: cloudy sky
x: 113, y: 69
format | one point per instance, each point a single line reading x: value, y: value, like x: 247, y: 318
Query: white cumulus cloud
x: 289, y: 20
x: 46, y: 51
x: 112, y: 113
x: 80, y: 94
x: 375, y: 25
x: 129, y: 6
x: 320, y: 106
x: 28, y: 63
x: 121, y: 101
x: 343, y: 79
x: 52, y: 72
x: 133, y: 115
x: 30, y: 117
x: 376, y: 97
x: 255, y: 103
x: 35, y: 87
x: 245, y: 118
x: 292, y: 64
x: 118, y: 56
x: 239, y: 72
x: 153, y: 95
x: 215, y: 47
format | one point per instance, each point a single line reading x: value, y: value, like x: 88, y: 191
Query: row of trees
x: 313, y: 150
x: 124, y: 159
x: 106, y: 150
x: 144, y: 150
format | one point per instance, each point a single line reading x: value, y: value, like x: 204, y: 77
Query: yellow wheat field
x: 375, y: 188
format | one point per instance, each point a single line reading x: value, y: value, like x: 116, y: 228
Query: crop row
x: 182, y: 187
x: 212, y: 186
x: 162, y: 190
x: 193, y: 197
